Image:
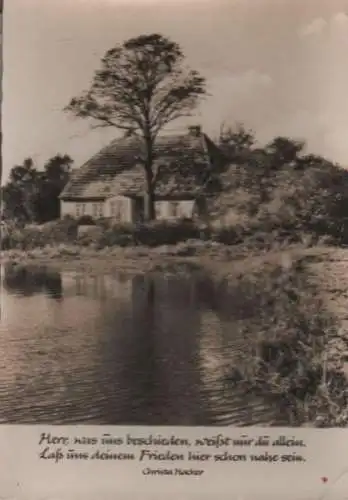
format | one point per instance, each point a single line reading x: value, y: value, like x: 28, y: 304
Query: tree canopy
x: 280, y: 184
x: 32, y: 195
x: 141, y: 86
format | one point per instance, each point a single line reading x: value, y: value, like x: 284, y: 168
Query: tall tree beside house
x: 141, y: 87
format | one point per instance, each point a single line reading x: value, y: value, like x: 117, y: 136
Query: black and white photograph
x: 174, y: 213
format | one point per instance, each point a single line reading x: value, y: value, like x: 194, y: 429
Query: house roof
x: 184, y: 161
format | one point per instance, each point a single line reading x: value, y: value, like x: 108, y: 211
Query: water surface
x: 119, y: 349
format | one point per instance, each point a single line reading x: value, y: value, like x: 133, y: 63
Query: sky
x: 278, y: 66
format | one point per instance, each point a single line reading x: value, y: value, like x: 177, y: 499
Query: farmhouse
x: 112, y: 183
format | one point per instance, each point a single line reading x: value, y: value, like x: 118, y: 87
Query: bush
x: 229, y: 235
x: 36, y: 236
x: 160, y: 233
x: 61, y: 230
x: 116, y: 235
x: 156, y: 233
x: 86, y: 220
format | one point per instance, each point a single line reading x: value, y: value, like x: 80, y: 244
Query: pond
x: 121, y: 349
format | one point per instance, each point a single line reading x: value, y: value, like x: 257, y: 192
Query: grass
x: 294, y: 352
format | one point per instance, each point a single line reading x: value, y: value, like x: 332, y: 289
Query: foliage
x: 149, y: 234
x: 34, y: 236
x: 53, y: 180
x: 32, y: 195
x: 86, y: 220
x: 236, y: 142
x: 281, y: 187
x: 20, y: 193
x: 142, y: 86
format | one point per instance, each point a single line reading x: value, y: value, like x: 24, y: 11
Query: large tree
x: 53, y: 179
x: 142, y: 86
x: 32, y: 195
x: 20, y: 192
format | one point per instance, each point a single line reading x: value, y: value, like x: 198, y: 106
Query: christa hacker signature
x: 172, y: 472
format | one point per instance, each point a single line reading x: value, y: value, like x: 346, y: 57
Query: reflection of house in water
x: 116, y: 286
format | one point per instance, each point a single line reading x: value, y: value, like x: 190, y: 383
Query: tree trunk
x: 149, y: 205
x: 149, y: 198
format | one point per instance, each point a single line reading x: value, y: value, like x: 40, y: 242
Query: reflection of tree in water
x: 129, y: 357
x: 31, y: 280
x: 167, y: 327
x: 144, y: 348
x: 151, y: 354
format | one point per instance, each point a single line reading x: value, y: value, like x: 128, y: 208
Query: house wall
x: 77, y: 209
x: 168, y: 209
x: 120, y: 208
x: 125, y: 209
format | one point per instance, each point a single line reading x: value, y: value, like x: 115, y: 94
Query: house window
x: 174, y: 209
x: 78, y: 210
x: 158, y: 210
x: 116, y: 209
x: 98, y: 209
x: 101, y: 209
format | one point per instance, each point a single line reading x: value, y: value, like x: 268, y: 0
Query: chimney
x: 195, y: 130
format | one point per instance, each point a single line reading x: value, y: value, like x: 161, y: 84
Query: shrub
x: 229, y: 235
x: 35, y: 236
x: 156, y: 233
x: 61, y: 230
x: 165, y: 233
x: 116, y: 235
x: 86, y: 220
